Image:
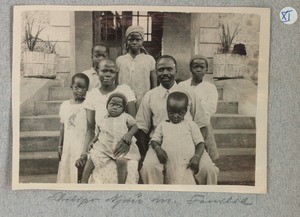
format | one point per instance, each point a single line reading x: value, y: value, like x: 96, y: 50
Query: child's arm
x: 194, y: 162
x: 161, y: 154
x: 61, y: 140
x: 128, y: 136
x: 89, y: 135
x: 88, y: 169
x: 123, y: 145
x: 153, y: 79
x: 95, y: 139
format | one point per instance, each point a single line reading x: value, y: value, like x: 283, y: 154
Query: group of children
x: 180, y: 157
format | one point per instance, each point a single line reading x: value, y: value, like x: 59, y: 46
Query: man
x: 99, y: 52
x: 153, y: 110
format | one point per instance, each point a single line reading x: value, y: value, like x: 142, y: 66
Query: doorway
x: 110, y: 27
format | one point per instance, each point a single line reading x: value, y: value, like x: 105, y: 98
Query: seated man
x: 153, y: 110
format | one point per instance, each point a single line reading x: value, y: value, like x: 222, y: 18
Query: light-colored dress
x: 135, y: 72
x: 179, y: 141
x: 73, y: 116
x: 112, y: 129
x: 96, y: 101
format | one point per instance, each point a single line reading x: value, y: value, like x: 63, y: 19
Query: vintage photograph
x: 140, y: 98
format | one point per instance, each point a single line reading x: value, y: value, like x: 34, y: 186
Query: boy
x: 99, y: 52
x: 178, y: 143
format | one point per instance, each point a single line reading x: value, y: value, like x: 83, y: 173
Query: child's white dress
x: 179, y: 141
x: 73, y: 116
x: 112, y: 129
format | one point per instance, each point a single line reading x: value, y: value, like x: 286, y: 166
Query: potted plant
x: 227, y: 63
x: 40, y: 58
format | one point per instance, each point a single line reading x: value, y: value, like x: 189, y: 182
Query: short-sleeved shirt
x: 153, y: 108
x: 206, y: 92
x: 135, y: 72
x: 97, y: 101
x: 93, y: 77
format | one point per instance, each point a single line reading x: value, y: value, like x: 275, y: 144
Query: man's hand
x: 161, y: 154
x: 121, y: 148
x: 81, y: 161
x: 194, y: 164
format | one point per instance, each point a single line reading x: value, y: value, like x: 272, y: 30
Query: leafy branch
x: 226, y: 38
x: 30, y: 39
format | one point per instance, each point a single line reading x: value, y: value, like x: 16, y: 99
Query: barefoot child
x: 99, y: 52
x: 73, y: 129
x: 136, y: 67
x: 115, y: 126
x: 178, y: 143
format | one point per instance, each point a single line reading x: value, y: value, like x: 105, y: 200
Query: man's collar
x: 163, y: 91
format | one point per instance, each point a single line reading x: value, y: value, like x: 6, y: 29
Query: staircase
x: 234, y: 133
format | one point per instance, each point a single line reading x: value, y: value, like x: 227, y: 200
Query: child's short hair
x: 102, y: 45
x: 83, y: 76
x: 166, y: 57
x: 178, y: 96
x: 117, y: 94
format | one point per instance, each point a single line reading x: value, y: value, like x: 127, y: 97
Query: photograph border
x: 261, y: 114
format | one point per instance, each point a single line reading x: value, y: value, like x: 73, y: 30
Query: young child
x: 136, y: 67
x: 73, y: 128
x: 115, y: 126
x: 178, y: 143
x: 99, y: 52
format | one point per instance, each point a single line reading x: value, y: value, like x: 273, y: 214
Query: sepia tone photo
x: 140, y: 98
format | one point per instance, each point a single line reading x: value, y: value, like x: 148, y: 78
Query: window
x: 143, y: 19
x: 110, y: 25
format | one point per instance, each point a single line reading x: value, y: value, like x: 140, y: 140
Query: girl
x: 114, y: 127
x: 73, y: 128
x: 136, y: 67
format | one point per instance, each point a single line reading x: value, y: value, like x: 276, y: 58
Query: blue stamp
x: 288, y: 15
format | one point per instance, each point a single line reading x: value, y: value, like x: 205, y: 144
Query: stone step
x: 38, y: 141
x: 52, y: 107
x: 225, y: 107
x: 225, y: 178
x: 48, y: 140
x: 236, y: 178
x: 40, y: 123
x: 60, y: 93
x: 219, y: 121
x: 231, y: 159
x: 47, y: 107
x: 235, y: 138
x: 232, y: 121
x: 64, y: 93
x: 34, y: 163
x: 43, y: 178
